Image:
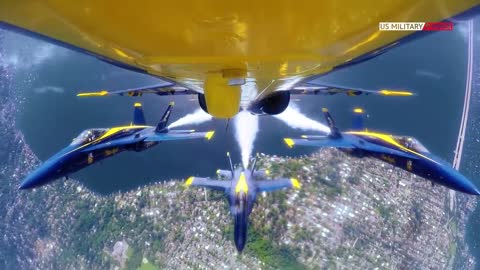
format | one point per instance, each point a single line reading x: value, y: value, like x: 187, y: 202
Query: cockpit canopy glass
x: 89, y: 135
x: 411, y: 143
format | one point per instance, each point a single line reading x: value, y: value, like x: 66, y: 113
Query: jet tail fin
x: 334, y: 132
x: 138, y: 116
x: 357, y: 120
x: 162, y: 125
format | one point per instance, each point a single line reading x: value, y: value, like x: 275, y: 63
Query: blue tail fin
x: 357, y: 120
x: 138, y: 116
x: 334, y: 132
x: 162, y: 125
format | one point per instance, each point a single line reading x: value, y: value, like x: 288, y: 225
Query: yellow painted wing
x: 274, y: 42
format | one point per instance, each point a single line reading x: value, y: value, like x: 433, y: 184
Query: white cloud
x: 49, y: 88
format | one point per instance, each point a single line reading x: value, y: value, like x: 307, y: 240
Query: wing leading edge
x: 163, y: 89
x: 221, y: 185
x: 332, y: 89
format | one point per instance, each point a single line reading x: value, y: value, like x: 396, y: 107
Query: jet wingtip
x: 289, y: 142
x: 137, y: 104
x: 396, y: 93
x: 295, y: 183
x: 93, y: 94
x: 358, y: 110
x: 209, y: 135
x: 189, y: 181
x: 324, y: 110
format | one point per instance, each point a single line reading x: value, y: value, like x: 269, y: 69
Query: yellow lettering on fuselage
x: 112, y: 151
x: 242, y: 185
x: 388, y: 159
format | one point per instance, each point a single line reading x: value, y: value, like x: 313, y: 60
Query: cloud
x: 19, y: 52
x: 49, y: 89
x: 429, y: 74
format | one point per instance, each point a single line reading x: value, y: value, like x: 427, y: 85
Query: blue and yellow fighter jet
x: 241, y: 190
x: 404, y: 152
x: 96, y: 144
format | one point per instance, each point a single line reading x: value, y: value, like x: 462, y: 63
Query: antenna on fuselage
x: 230, y: 160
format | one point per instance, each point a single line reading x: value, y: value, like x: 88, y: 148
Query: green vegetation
x: 452, y: 249
x: 147, y: 266
x: 134, y: 259
x: 271, y: 254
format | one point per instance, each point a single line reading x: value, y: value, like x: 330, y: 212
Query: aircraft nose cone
x: 240, y: 245
x: 463, y: 184
x: 470, y: 188
x: 39, y: 177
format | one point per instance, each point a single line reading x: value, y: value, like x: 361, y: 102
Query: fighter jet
x: 404, y: 152
x: 241, y: 191
x: 93, y: 145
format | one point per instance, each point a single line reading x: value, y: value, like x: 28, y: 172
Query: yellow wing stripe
x: 109, y: 133
x: 389, y: 139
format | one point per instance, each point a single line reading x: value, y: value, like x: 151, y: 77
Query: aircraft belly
x: 270, y: 39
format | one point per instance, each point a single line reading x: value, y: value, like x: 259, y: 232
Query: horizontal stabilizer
x: 277, y: 184
x: 162, y: 89
x: 261, y: 174
x: 224, y: 173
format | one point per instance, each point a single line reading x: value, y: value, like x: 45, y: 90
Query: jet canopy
x: 411, y: 143
x: 89, y: 135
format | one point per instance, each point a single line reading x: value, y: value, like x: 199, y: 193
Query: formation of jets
x: 245, y: 55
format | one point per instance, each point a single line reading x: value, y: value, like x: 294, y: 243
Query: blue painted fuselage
x: 408, y: 154
x: 87, y: 151
x: 241, y: 198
